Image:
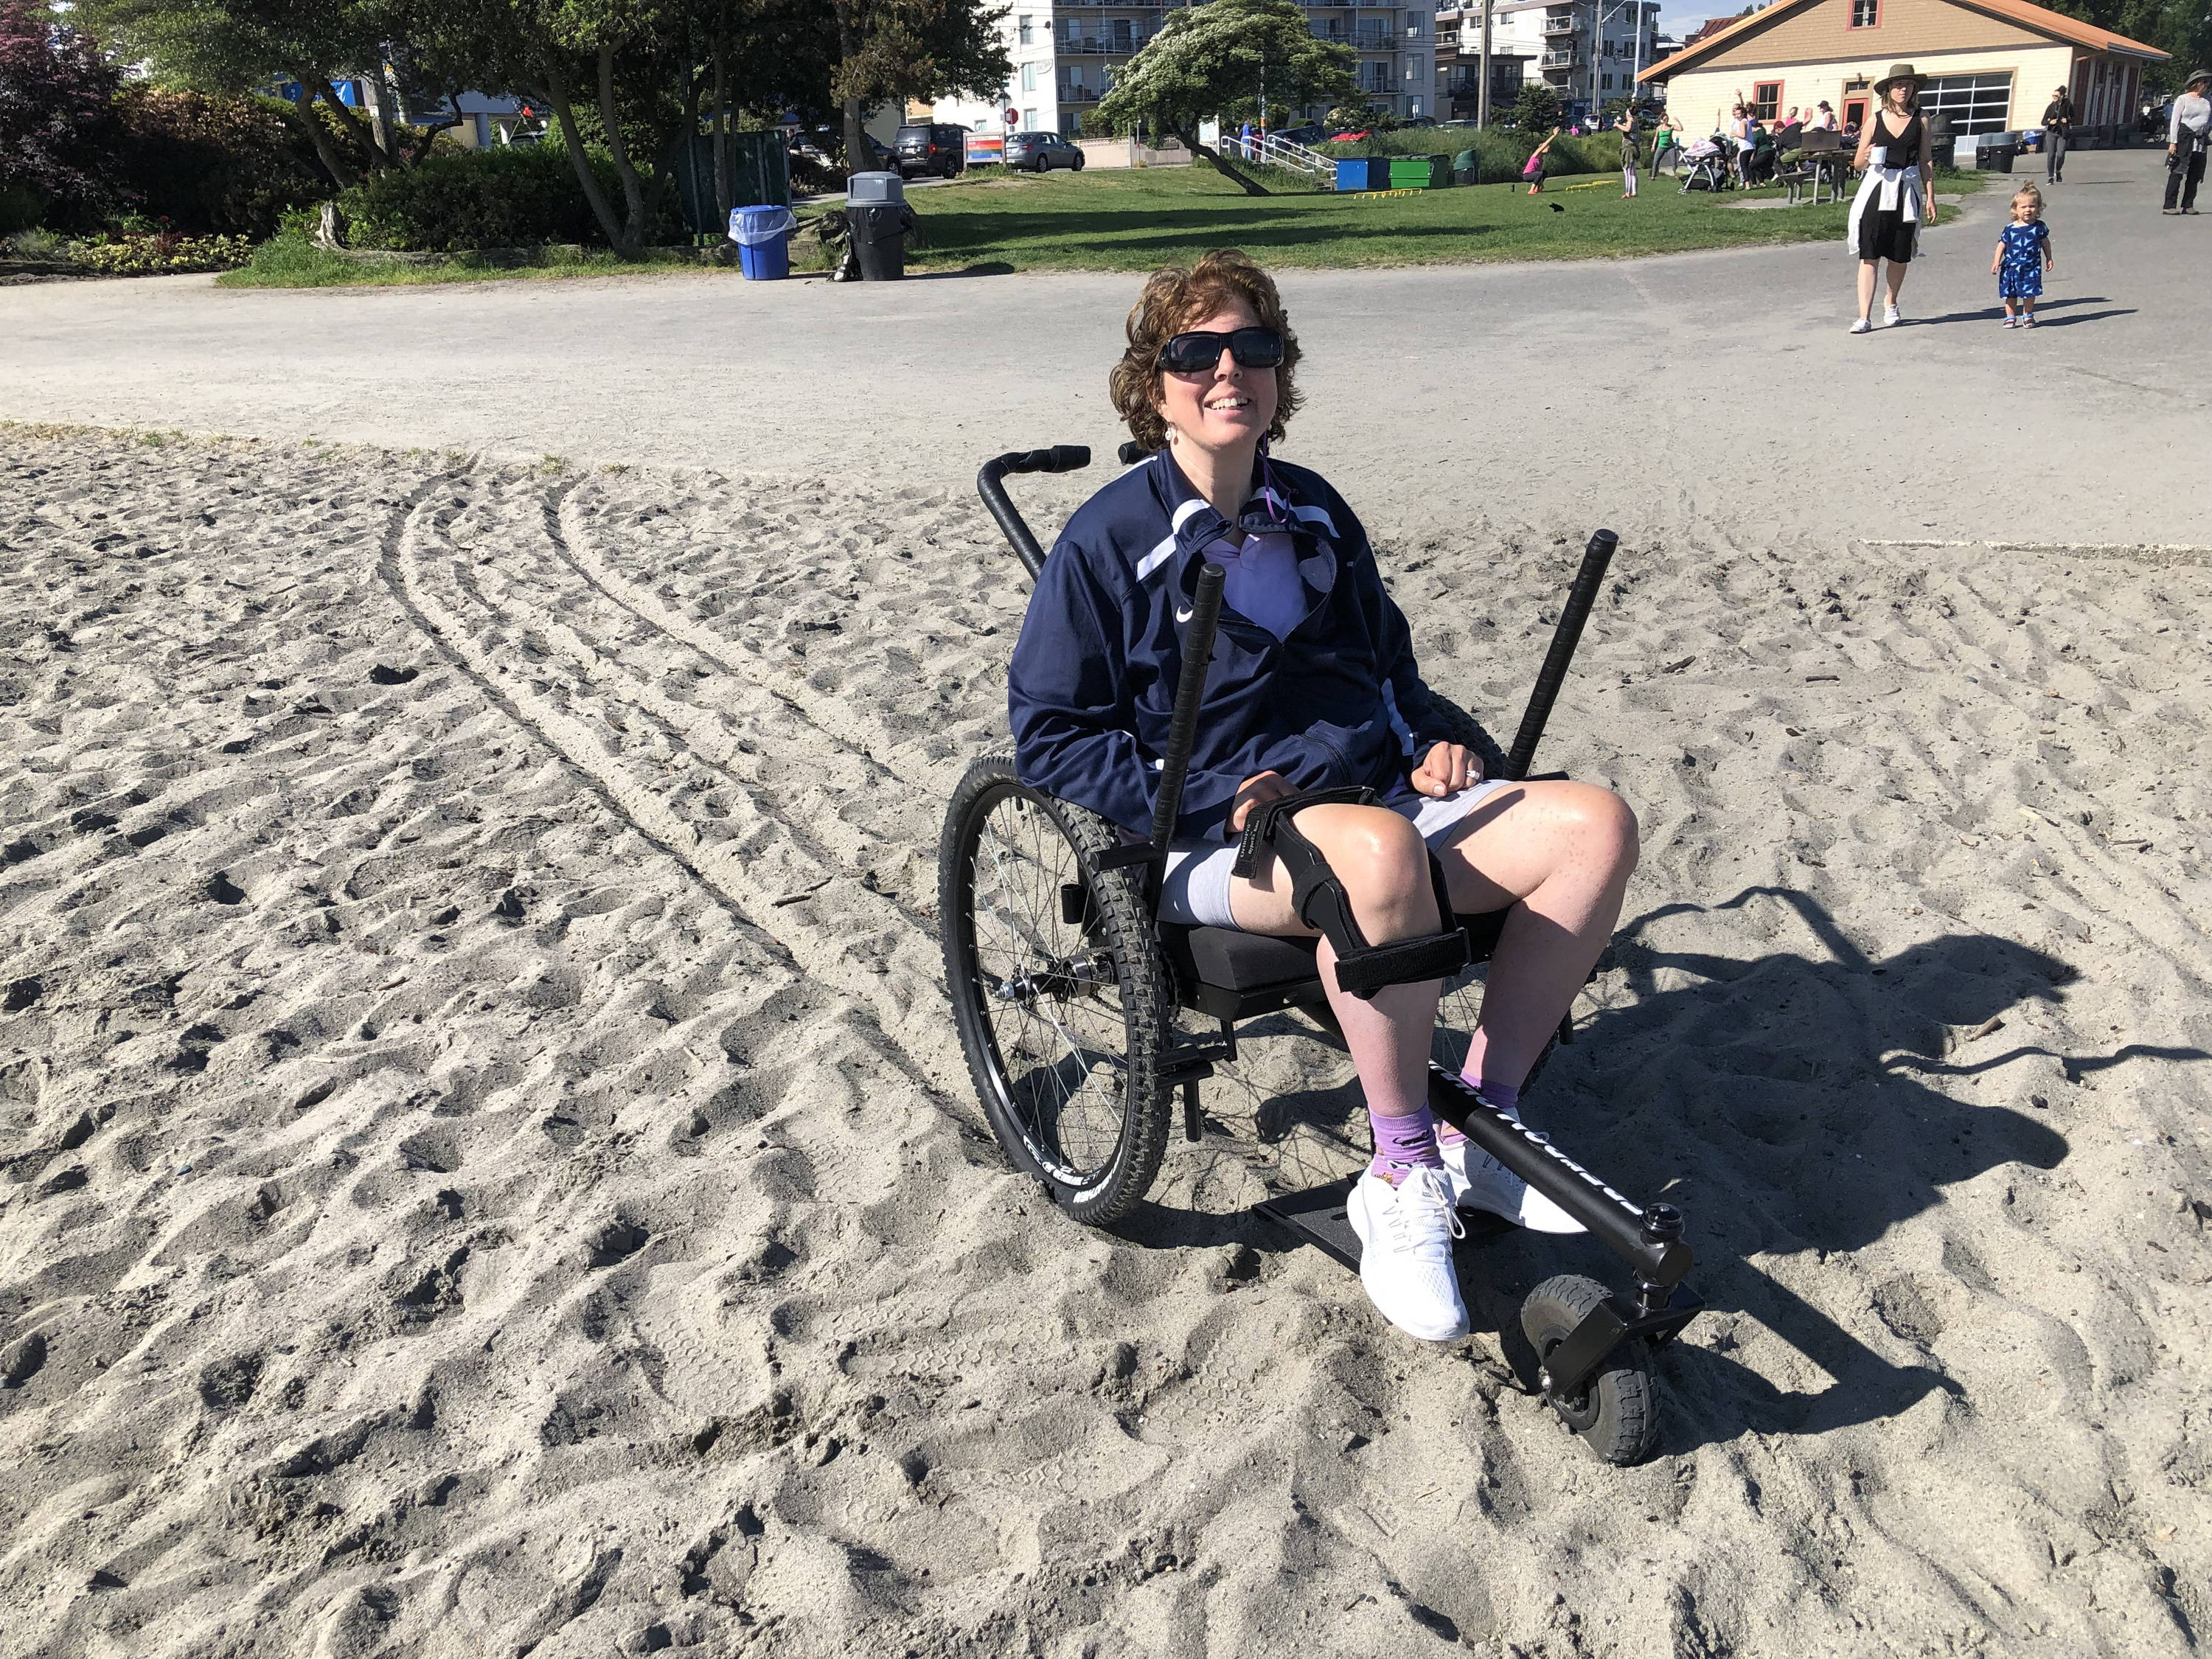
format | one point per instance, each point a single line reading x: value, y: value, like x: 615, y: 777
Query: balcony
x: 1557, y: 26
x: 1559, y: 60
x: 1080, y: 94
x: 1093, y: 47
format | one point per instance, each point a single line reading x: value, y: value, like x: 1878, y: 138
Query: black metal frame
x: 1647, y: 1238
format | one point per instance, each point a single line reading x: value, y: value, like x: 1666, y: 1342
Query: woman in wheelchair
x: 1313, y: 695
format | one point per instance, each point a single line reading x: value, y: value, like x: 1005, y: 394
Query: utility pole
x: 1482, y: 88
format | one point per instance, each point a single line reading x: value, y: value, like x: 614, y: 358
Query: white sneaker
x: 1862, y: 326
x: 1889, y: 317
x: 1479, y: 1182
x: 1405, y: 1252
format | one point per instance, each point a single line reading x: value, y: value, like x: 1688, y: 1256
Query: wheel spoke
x: 1055, y: 1019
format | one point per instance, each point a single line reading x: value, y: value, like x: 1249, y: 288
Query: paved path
x: 1433, y: 391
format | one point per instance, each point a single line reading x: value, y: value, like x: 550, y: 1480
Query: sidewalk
x: 1432, y: 393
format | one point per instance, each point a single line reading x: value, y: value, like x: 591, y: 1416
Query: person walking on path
x: 2057, y: 128
x: 2186, y: 135
x: 1894, y: 198
x: 1534, y: 171
x: 1625, y: 127
x: 2024, y: 253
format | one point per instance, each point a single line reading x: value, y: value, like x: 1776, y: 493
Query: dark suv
x: 1042, y: 152
x: 937, y: 147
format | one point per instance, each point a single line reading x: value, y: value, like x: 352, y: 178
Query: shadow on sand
x: 1792, y: 1104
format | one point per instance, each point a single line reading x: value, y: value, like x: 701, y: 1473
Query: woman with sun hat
x: 1897, y: 193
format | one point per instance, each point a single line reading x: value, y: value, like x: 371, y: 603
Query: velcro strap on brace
x: 1260, y: 824
x: 1318, y: 899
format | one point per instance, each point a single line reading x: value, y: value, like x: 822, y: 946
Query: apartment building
x: 1590, y: 51
x: 1067, y: 52
x: 1515, y: 44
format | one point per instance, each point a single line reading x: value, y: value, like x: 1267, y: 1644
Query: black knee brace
x: 1318, y: 899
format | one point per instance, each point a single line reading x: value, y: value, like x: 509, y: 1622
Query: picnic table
x: 1817, y: 165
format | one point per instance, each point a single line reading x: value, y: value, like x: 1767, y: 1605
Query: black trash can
x: 1997, y: 158
x: 879, y: 240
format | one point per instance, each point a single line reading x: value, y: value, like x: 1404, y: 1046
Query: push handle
x: 1060, y: 457
x: 1580, y: 598
x: 1183, y: 725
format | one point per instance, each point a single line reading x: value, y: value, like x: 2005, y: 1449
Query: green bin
x: 1419, y: 172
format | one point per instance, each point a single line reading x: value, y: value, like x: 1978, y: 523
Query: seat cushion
x: 1237, y: 961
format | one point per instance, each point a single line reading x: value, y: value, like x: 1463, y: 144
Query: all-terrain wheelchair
x: 1067, y: 991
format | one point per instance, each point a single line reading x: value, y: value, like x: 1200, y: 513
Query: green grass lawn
x: 1139, y: 220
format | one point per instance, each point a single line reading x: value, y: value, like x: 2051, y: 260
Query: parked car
x: 936, y: 147
x: 817, y: 148
x: 1311, y: 133
x: 1420, y: 121
x: 1041, y: 152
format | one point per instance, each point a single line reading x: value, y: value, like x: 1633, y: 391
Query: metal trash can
x: 1995, y: 158
x: 878, y: 231
x: 763, y: 238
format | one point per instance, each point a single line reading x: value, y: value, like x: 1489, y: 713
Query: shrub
x: 160, y: 255
x: 459, y: 199
x: 1499, y: 153
x: 55, y: 124
x: 227, y: 165
x: 1536, y: 110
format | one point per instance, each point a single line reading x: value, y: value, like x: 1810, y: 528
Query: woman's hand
x: 1256, y: 791
x: 1448, y: 769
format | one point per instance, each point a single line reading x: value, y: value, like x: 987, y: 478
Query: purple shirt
x: 1262, y: 579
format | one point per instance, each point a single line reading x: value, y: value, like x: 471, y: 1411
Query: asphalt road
x: 1705, y: 392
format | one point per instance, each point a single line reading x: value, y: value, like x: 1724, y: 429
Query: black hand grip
x: 1580, y: 598
x: 1132, y: 451
x: 1183, y: 725
x: 1060, y: 457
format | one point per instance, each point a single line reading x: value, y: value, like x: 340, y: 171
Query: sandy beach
x: 489, y: 1171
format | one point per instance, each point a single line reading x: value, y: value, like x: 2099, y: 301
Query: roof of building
x: 2041, y: 19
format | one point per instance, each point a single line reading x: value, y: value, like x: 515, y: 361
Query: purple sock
x: 1409, y: 1142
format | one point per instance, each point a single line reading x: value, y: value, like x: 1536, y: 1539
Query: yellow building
x: 1992, y: 64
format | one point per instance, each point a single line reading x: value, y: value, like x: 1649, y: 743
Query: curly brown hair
x: 1174, y: 298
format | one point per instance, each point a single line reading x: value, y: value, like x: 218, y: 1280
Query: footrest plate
x: 1317, y: 1217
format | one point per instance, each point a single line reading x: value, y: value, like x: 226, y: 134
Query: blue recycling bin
x: 763, y: 238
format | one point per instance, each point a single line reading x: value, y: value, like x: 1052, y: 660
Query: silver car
x: 1041, y: 152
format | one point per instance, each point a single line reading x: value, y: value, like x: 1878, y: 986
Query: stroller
x: 1709, y: 168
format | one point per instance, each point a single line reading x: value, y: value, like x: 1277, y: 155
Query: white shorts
x: 1196, y: 887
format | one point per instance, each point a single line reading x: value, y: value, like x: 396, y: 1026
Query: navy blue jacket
x: 1338, y: 703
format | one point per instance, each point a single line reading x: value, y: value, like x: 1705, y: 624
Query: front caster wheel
x: 1616, y: 1412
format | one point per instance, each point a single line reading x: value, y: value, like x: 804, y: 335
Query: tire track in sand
x: 572, y: 542
x: 900, y: 992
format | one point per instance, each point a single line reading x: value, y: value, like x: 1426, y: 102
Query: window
x: 1021, y: 30
x: 1028, y: 80
x: 1975, y: 103
x: 1767, y: 98
x: 1604, y: 83
x: 1866, y: 14
x: 1028, y: 119
x: 1074, y: 30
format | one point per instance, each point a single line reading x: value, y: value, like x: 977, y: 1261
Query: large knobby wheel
x: 1059, y: 990
x: 1616, y: 1411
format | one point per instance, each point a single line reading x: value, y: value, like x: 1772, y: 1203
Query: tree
x: 241, y: 47
x: 1207, y: 62
x: 902, y: 49
x: 55, y: 91
x: 1537, y: 109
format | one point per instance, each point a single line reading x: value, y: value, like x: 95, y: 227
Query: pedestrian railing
x: 1283, y: 153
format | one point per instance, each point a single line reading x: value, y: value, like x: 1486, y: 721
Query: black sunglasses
x: 1197, y: 353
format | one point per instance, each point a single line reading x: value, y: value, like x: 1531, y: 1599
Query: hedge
x: 455, y: 200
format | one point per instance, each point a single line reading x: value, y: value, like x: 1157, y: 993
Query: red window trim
x: 1772, y: 107
x: 1852, y: 15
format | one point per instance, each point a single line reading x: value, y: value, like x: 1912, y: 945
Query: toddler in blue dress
x: 2023, y: 255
